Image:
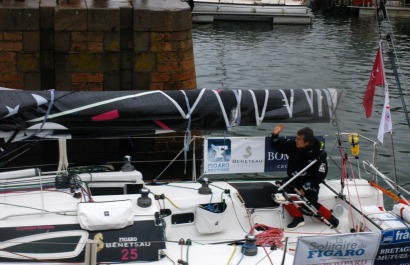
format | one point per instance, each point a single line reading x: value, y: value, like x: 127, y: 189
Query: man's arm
x: 278, y: 129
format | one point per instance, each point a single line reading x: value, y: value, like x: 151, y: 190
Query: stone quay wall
x: 96, y: 45
x: 99, y: 45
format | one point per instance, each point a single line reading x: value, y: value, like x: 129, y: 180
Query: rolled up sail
x: 113, y: 113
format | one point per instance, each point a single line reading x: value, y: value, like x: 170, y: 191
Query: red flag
x: 376, y: 79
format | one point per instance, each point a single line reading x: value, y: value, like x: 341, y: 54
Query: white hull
x: 50, y: 215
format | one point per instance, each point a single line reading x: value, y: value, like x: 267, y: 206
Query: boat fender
x: 402, y: 210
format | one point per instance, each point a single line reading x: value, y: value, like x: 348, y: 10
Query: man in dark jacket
x: 302, y: 151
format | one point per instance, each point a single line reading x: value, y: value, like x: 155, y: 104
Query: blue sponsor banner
x: 275, y: 161
x: 394, y: 247
x: 243, y: 155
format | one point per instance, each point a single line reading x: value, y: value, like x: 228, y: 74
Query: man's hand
x: 278, y: 129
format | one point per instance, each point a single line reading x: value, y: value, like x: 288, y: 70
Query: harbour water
x: 332, y: 52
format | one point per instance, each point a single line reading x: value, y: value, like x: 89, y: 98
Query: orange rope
x: 270, y: 236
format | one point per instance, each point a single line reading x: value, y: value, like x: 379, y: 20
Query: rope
x: 270, y: 236
x: 267, y: 254
x: 233, y: 253
x: 187, y: 136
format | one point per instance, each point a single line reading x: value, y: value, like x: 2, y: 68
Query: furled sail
x: 113, y: 113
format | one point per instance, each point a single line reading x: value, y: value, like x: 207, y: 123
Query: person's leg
x: 298, y: 219
x: 326, y: 213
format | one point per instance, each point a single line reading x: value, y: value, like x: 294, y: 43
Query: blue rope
x: 212, y: 207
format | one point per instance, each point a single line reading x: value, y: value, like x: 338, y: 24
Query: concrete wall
x: 96, y: 45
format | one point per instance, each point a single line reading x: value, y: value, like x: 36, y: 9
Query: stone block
x: 62, y: 41
x: 7, y: 57
x: 112, y: 41
x: 31, y: 41
x: 87, y: 77
x: 48, y: 79
x: 174, y: 56
x: 87, y: 36
x: 112, y: 81
x: 160, y: 15
x: 144, y: 61
x: 63, y: 81
x: 8, y: 66
x: 127, y: 40
x: 11, y: 46
x: 87, y: 86
x: 165, y: 21
x: 47, y: 14
x: 71, y: 15
x: 46, y: 39
x: 126, y: 18
x: 86, y: 62
x: 160, y: 77
x: 126, y: 80
x: 141, y: 81
x: 13, y: 35
x: 178, y: 36
x: 28, y: 62
x: 11, y: 78
x: 126, y: 60
x: 100, y: 19
x: 8, y: 62
x: 46, y: 59
x: 142, y: 41
x: 19, y: 15
x: 32, y: 81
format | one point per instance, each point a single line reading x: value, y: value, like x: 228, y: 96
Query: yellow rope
x: 233, y: 252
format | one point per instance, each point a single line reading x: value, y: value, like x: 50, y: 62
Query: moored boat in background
x: 275, y: 12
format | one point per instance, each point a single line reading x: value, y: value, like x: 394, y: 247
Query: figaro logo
x: 339, y: 248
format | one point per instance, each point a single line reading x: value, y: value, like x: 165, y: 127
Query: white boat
x: 85, y: 216
x: 275, y: 12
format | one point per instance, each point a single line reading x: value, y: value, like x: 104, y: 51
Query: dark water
x: 332, y: 52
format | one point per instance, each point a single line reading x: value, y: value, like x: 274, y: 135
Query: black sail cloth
x: 119, y: 113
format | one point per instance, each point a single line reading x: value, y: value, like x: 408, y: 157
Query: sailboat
x: 94, y: 215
